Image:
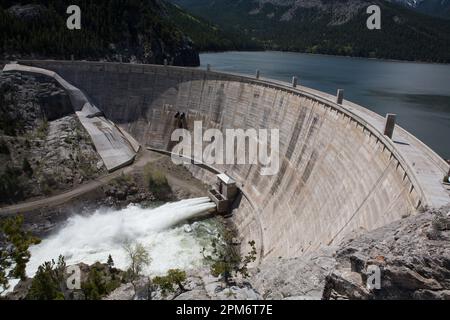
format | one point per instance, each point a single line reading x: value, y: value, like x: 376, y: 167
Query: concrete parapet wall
x: 338, y: 172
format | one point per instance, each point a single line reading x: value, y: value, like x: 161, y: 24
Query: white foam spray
x: 89, y: 239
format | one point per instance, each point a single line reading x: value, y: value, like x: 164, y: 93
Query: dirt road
x: 144, y: 157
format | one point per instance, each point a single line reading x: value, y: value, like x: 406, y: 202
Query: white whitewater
x: 89, y: 239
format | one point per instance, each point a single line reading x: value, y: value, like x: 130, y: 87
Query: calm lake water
x: 418, y: 93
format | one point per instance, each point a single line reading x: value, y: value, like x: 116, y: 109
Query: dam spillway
x: 338, y: 172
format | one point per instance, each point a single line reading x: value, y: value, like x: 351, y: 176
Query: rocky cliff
x: 438, y: 8
x: 43, y: 146
x: 412, y: 255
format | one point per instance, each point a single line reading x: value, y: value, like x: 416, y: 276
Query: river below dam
x: 171, y: 233
x: 418, y: 93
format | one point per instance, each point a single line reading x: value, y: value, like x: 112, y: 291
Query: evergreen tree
x: 48, y: 283
x: 110, y: 262
x: 4, y: 149
x: 14, y: 259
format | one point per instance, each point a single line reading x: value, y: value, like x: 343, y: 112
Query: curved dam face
x: 338, y: 173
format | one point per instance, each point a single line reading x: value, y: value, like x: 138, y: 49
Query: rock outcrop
x: 301, y: 278
x: 44, y: 147
x: 412, y: 255
x: 199, y: 285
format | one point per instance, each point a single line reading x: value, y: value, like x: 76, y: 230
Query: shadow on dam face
x: 338, y: 173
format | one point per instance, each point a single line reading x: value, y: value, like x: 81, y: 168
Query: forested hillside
x: 207, y: 36
x: 146, y: 31
x: 335, y: 27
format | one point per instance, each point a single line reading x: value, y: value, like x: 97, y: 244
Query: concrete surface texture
x: 116, y: 148
x: 339, y: 173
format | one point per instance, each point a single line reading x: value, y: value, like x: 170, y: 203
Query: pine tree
x: 48, y: 281
x: 13, y: 262
x: 110, y: 262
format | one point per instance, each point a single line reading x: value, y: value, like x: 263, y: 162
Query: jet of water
x: 93, y: 238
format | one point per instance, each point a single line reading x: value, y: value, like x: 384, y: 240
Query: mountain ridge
x: 336, y: 27
x: 437, y: 8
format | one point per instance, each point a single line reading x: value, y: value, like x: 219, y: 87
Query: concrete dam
x: 338, y: 174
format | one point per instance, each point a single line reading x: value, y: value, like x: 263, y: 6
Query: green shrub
x: 99, y: 283
x: 13, y: 261
x: 122, y: 180
x: 10, y: 124
x: 48, y: 184
x: 4, y: 149
x: 226, y: 260
x: 157, y: 182
x: 26, y: 167
x: 48, y: 282
x: 154, y: 177
x: 110, y: 262
x: 42, y: 130
x: 11, y: 189
x: 172, y: 282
